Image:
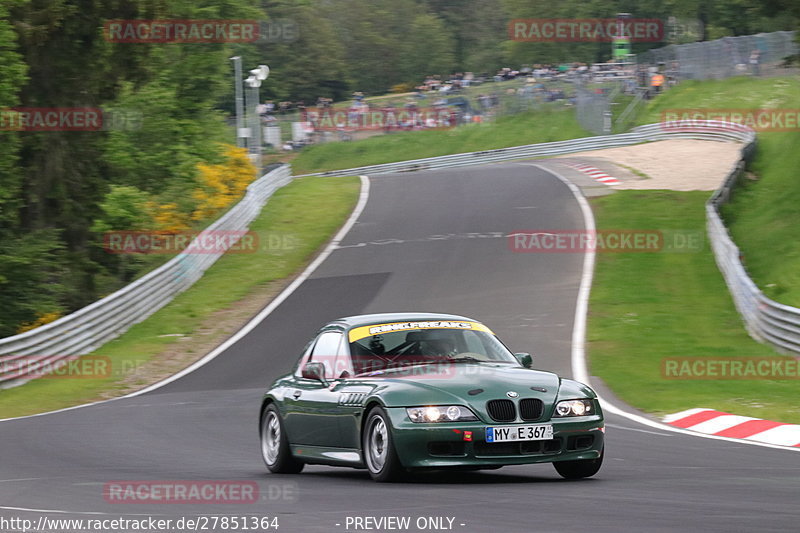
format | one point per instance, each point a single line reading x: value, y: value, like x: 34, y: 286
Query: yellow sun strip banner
x: 376, y: 329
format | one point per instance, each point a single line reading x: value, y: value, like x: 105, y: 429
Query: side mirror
x: 525, y: 359
x: 314, y: 370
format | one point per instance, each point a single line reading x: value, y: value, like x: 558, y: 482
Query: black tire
x: 579, y: 469
x: 274, y: 444
x: 377, y: 446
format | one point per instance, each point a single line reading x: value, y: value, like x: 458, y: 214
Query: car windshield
x: 423, y: 346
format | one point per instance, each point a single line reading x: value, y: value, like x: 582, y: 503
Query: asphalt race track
x: 426, y: 241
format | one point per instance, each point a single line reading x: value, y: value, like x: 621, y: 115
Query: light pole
x: 241, y: 134
x: 257, y: 75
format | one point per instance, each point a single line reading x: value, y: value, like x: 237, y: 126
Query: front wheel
x: 275, y: 446
x: 378, y: 447
x: 580, y: 468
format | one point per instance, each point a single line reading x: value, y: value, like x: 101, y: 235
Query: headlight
x: 574, y: 408
x: 440, y: 413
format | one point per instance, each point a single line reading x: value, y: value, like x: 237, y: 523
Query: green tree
x: 478, y: 29
x: 124, y: 208
x: 27, y: 262
x: 304, y: 52
x: 429, y: 51
x: 12, y: 76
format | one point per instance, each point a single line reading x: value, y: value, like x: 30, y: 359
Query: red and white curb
x: 595, y: 173
x: 722, y: 424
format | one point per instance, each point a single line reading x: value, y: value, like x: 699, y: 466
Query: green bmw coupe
x: 394, y: 393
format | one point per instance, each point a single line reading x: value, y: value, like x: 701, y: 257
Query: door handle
x: 296, y: 394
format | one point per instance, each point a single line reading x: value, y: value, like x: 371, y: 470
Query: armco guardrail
x: 24, y: 355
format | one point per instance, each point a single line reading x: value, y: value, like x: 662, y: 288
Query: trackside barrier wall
x: 90, y: 327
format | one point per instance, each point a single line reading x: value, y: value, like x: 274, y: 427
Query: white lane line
x: 579, y: 323
x: 362, y: 202
x: 579, y: 369
x: 20, y: 479
x: 430, y: 238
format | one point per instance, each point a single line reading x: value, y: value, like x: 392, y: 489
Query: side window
x: 326, y: 350
x: 304, y: 359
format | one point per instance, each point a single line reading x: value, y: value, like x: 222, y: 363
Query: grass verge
x: 763, y: 216
x: 299, y: 219
x: 524, y: 128
x: 645, y: 307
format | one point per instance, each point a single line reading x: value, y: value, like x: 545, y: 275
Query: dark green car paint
x: 323, y: 421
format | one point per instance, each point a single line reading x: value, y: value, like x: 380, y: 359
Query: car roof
x: 379, y: 318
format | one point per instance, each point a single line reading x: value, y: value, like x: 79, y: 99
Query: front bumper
x: 444, y: 445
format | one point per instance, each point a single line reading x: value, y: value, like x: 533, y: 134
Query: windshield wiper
x: 400, y: 364
x: 465, y: 359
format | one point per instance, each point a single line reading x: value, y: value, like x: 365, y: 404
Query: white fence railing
x: 26, y: 355
x: 90, y: 327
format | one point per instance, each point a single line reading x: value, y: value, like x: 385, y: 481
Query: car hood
x: 463, y: 384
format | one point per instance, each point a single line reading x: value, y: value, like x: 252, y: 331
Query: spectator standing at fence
x: 656, y: 81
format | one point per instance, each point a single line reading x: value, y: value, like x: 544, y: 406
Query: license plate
x: 515, y: 433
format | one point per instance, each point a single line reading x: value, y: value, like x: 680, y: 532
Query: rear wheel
x: 275, y: 446
x: 579, y: 469
x: 378, y: 447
